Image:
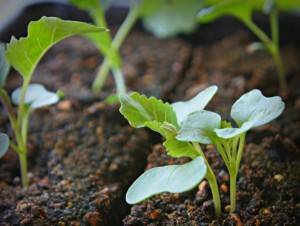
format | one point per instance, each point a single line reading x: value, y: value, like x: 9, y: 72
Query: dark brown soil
x: 83, y: 155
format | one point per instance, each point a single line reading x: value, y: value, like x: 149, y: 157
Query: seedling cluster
x: 24, y: 55
x: 186, y: 126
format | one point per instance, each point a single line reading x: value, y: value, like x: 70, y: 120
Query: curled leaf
x: 141, y: 111
x: 174, y: 178
x: 197, y: 103
x: 36, y: 96
x: 4, y: 143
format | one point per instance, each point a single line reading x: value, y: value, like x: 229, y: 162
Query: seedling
x: 167, y: 120
x: 163, y: 18
x: 24, y: 55
x: 250, y: 110
x: 242, y: 10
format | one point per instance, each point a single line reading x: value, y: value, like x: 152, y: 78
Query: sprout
x: 24, y: 55
x: 242, y: 10
x: 167, y: 120
x: 250, y: 110
x: 4, y: 144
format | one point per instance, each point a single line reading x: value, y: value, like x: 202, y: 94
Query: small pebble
x: 224, y: 187
x: 64, y: 105
x: 266, y: 211
x: 278, y: 177
x: 154, y: 214
x: 237, y: 219
x: 227, y: 208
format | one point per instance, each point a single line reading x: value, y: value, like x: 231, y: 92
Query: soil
x: 83, y: 155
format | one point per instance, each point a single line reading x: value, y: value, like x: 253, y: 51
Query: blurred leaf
x: 4, y: 144
x: 25, y: 53
x: 168, y: 18
x: 174, y: 179
x: 36, y: 96
x: 4, y: 66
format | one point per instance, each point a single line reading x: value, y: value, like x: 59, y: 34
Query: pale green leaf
x: 168, y: 18
x: 4, y: 143
x: 141, y: 111
x: 251, y: 110
x: 241, y: 9
x: 25, y: 53
x: 4, y: 66
x: 174, y: 179
x: 36, y: 96
x: 197, y: 103
x: 199, y: 127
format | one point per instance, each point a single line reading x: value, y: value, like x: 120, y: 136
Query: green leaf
x: 241, y: 9
x: 252, y: 109
x: 4, y: 66
x: 177, y: 148
x: 4, y: 143
x: 199, y: 126
x: 141, y: 111
x: 174, y: 179
x: 25, y: 53
x: 36, y: 96
x: 197, y: 103
x: 168, y: 18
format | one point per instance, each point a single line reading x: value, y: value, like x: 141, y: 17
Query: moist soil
x: 83, y: 155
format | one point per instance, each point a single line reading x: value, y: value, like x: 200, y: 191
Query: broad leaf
x: 241, y: 9
x: 175, y: 179
x: 36, y: 96
x: 168, y: 18
x: 25, y: 53
x: 197, y: 103
x: 4, y: 143
x: 177, y: 148
x: 199, y: 126
x: 4, y: 66
x: 141, y: 111
x: 252, y: 109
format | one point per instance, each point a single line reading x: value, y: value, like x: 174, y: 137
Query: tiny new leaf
x: 4, y: 66
x: 4, y: 143
x: 197, y: 103
x: 25, y: 53
x: 36, y: 96
x: 141, y: 111
x: 174, y: 178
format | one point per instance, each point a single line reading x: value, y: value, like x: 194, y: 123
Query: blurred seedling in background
x: 243, y: 10
x: 23, y: 55
x: 165, y: 18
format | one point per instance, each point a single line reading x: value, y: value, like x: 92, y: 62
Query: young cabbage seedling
x: 24, y: 55
x: 167, y: 120
x: 162, y: 17
x: 242, y: 10
x: 250, y: 110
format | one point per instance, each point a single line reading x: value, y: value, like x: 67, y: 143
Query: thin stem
x: 211, y: 178
x: 233, y: 176
x: 23, y: 164
x: 119, y: 79
x: 240, y: 151
x: 116, y: 43
x: 272, y: 46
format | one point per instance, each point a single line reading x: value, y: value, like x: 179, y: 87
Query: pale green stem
x: 233, y: 177
x: 211, y: 178
x: 23, y: 164
x: 119, y: 79
x: 116, y: 43
x: 272, y: 46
